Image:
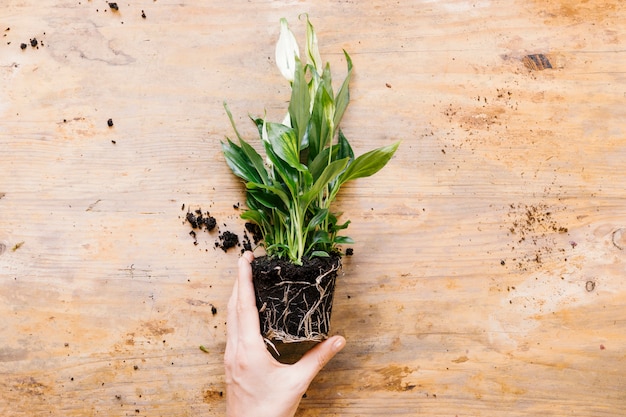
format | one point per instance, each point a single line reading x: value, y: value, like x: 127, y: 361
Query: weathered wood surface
x: 489, y: 274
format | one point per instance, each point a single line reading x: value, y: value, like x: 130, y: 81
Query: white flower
x: 286, y: 51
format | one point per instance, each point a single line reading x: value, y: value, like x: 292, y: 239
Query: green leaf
x: 232, y: 122
x: 270, y: 190
x: 299, y: 104
x: 239, y: 162
x: 316, y: 167
x: 255, y: 160
x: 337, y: 227
x: 285, y: 144
x: 268, y: 198
x: 280, y: 248
x: 319, y: 254
x: 369, y: 163
x: 314, y: 83
x: 321, y: 130
x: 282, y: 170
x: 343, y: 95
x: 345, y: 150
x: 321, y: 236
x: 256, y: 216
x: 332, y: 171
x: 319, y: 217
x: 343, y: 240
x: 327, y: 80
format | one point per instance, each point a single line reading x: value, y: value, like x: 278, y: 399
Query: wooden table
x: 489, y: 270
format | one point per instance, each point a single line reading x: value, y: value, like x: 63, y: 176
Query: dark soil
x: 194, y: 235
x: 254, y: 230
x: 295, y: 302
x: 247, y: 244
x: 228, y: 240
x: 198, y: 220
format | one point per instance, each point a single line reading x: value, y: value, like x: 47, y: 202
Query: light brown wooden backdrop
x: 489, y: 271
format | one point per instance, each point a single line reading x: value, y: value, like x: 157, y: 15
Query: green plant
x: 308, y: 158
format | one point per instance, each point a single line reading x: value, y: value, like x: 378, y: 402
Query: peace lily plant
x: 307, y: 158
x: 290, y: 191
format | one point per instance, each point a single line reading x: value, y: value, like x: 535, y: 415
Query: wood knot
x: 537, y: 62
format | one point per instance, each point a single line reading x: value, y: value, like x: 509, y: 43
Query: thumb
x: 315, y: 359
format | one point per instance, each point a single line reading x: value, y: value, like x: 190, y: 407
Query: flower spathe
x: 286, y: 51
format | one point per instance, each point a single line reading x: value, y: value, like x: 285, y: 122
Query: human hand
x: 256, y: 384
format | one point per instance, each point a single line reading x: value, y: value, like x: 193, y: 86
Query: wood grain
x: 489, y: 264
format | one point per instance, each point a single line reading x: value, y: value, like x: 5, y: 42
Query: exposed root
x: 281, y: 336
x: 272, y: 345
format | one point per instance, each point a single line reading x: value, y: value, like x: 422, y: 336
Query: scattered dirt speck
x: 534, y: 230
x: 194, y: 236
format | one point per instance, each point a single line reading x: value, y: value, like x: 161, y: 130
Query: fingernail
x: 339, y: 344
